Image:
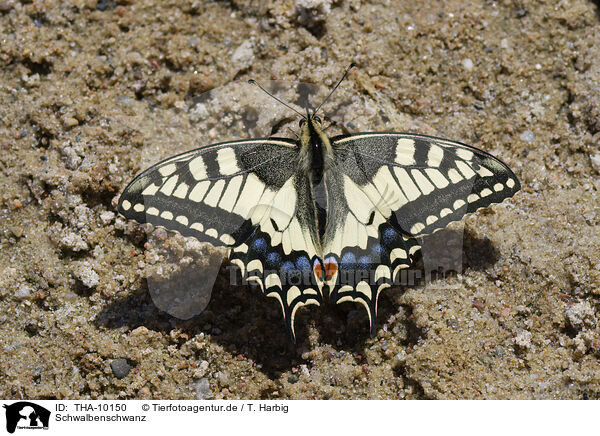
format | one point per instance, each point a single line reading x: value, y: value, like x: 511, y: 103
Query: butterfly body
x: 319, y: 216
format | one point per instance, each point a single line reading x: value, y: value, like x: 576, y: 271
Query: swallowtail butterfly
x: 319, y: 217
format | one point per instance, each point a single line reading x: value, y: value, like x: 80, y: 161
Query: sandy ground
x: 94, y: 91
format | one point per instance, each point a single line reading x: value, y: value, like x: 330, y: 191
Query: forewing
x: 216, y: 194
x: 421, y: 183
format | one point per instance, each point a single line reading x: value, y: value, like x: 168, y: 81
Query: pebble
x: 580, y: 315
x: 69, y: 122
x: 17, y: 231
x: 120, y: 368
x: 523, y: 339
x: 23, y: 292
x: 243, y: 56
x: 467, y: 64
x: 73, y: 242
x: 595, y: 160
x: 107, y: 217
x: 201, y: 370
x: 135, y: 58
x: 86, y: 275
x: 202, y: 388
x: 322, y: 6
x: 527, y: 136
x: 304, y: 370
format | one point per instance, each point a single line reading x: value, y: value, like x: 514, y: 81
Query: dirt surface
x: 94, y: 91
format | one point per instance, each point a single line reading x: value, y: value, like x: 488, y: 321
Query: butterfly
x: 319, y: 217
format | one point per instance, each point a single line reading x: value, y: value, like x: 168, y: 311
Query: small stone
x: 69, y: 122
x: 107, y: 217
x: 399, y: 359
x: 135, y: 58
x: 293, y: 378
x: 120, y: 368
x: 243, y: 56
x: 202, y: 388
x: 201, y: 370
x: 595, y: 160
x: 86, y: 275
x: 468, y: 64
x: 23, y: 292
x: 17, y: 231
x: 74, y: 242
x: 580, y: 316
x: 200, y: 84
x: 523, y: 339
x: 304, y: 370
x: 527, y: 136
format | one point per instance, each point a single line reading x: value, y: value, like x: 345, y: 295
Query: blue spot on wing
x: 287, y: 266
x: 273, y: 259
x: 260, y: 245
x: 364, y: 262
x: 348, y: 260
x: 303, y: 263
x: 378, y: 250
x: 388, y: 235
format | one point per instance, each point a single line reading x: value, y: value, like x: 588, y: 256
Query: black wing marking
x: 217, y: 194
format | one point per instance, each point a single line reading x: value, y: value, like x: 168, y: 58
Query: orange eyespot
x: 326, y: 272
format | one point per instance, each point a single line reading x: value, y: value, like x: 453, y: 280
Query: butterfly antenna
x: 352, y: 65
x: 254, y: 82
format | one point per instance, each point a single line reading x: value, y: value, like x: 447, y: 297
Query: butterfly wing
x: 389, y: 189
x: 243, y: 194
x: 216, y: 194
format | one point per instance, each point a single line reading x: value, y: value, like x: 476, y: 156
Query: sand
x: 94, y: 91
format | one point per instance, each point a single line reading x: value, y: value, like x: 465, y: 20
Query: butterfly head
x: 311, y: 131
x: 314, y: 119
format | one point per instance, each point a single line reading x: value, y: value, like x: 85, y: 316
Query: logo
x: 26, y: 415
